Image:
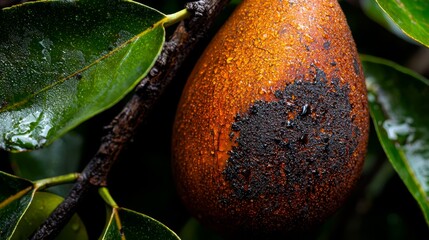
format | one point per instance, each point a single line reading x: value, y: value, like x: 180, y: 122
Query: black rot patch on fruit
x: 356, y: 66
x: 288, y: 145
x: 327, y: 45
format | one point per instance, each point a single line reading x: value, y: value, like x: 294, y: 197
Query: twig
x: 122, y: 128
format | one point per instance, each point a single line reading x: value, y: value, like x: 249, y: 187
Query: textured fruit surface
x: 272, y: 127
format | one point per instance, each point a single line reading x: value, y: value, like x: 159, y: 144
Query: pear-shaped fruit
x: 272, y: 127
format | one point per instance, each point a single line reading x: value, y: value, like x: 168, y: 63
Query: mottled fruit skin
x: 271, y: 130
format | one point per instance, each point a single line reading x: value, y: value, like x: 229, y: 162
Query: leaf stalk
x: 105, y: 194
x: 48, y: 182
x: 174, y: 18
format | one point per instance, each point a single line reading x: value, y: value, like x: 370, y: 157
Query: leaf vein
x: 82, y: 70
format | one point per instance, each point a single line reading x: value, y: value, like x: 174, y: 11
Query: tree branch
x: 122, y: 128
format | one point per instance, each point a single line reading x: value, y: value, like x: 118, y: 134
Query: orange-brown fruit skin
x: 289, y: 66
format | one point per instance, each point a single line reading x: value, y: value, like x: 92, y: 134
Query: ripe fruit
x: 40, y: 208
x: 272, y: 127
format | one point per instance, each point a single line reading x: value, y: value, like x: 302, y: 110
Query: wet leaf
x: 411, y: 16
x: 397, y: 100
x: 15, y: 197
x: 61, y: 62
x: 376, y: 13
x: 135, y: 226
x: 61, y: 157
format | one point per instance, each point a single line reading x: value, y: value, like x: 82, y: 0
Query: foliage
x: 87, y: 52
x: 64, y: 63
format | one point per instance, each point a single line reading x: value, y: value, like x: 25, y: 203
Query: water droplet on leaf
x: 29, y: 132
x: 399, y: 131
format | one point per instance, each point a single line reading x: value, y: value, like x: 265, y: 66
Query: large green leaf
x: 62, y: 62
x: 411, y: 16
x: 376, y: 13
x: 15, y: 197
x: 398, y: 105
x: 133, y: 225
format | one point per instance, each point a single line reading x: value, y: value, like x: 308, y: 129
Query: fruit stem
x: 105, y: 194
x: 48, y: 182
x: 176, y: 17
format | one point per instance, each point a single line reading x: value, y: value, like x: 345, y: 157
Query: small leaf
x: 61, y: 157
x: 131, y: 225
x: 61, y: 62
x: 15, y: 197
x: 398, y: 105
x: 411, y: 16
x: 41, y: 207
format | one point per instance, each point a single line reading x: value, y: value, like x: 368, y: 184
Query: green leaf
x: 411, y: 16
x: 398, y: 105
x: 22, y: 209
x: 61, y: 62
x: 376, y: 13
x: 41, y: 207
x: 15, y: 197
x: 61, y: 157
x: 135, y: 226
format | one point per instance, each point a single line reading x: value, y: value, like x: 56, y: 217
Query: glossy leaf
x: 135, y: 226
x: 15, y: 197
x: 398, y: 105
x: 411, y: 16
x: 62, y: 62
x: 376, y: 13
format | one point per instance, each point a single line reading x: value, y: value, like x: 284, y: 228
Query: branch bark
x: 122, y: 128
